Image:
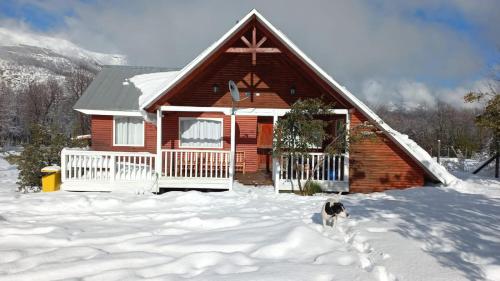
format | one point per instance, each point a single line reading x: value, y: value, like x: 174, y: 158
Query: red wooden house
x: 175, y: 128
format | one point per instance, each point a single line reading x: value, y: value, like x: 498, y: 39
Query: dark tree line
x: 48, y: 104
x: 454, y: 127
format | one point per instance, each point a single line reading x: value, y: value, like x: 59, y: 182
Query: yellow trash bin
x: 51, y: 179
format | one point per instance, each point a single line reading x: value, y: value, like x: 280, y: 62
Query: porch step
x: 254, y: 178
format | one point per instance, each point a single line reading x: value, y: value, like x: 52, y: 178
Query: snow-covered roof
x: 149, y: 84
x: 111, y: 91
x: 159, y: 88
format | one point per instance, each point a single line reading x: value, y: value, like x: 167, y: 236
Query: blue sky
x: 37, y: 18
x: 438, y: 45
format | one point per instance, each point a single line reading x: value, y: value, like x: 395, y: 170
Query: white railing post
x: 63, y: 165
x: 277, y: 172
x: 346, y: 155
x: 233, y: 151
x: 158, y: 160
x: 112, y: 167
x: 346, y: 168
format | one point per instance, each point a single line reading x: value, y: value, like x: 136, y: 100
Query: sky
x: 405, y: 53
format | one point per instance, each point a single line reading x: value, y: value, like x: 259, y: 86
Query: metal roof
x: 110, y: 91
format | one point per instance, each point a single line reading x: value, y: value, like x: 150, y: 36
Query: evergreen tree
x: 42, y: 150
x: 32, y: 159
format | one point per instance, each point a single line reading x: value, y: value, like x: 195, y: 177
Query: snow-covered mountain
x: 25, y: 57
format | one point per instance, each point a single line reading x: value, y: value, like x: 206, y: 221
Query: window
x: 200, y: 132
x: 128, y: 131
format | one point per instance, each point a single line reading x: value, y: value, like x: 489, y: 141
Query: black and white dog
x: 332, y: 209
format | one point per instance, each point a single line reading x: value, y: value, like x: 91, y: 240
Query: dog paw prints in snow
x: 382, y: 274
x: 369, y: 259
x: 365, y: 262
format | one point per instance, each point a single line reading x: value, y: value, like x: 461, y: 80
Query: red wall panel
x: 379, y: 164
x: 102, y: 136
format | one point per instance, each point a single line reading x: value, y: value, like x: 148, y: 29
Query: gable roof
x: 110, y: 90
x: 418, y: 154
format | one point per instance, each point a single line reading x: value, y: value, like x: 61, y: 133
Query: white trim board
x: 174, y: 108
x: 238, y: 111
x: 109, y: 112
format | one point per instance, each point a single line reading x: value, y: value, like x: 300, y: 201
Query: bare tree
x: 7, y: 114
x: 454, y: 126
x: 75, y: 84
x: 39, y: 102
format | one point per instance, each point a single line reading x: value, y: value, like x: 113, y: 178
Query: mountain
x: 25, y: 57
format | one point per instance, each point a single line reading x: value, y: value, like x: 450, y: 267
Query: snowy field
x: 429, y: 233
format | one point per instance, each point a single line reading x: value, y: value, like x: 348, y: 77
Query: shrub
x: 42, y: 150
x: 312, y: 187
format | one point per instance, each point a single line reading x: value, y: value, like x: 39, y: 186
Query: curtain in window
x: 201, y: 133
x: 129, y: 131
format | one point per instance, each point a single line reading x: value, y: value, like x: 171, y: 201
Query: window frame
x: 129, y: 145
x: 221, y: 144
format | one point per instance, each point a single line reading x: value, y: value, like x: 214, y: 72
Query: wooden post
x: 276, y: 162
x: 233, y: 151
x: 439, y: 152
x: 112, y: 167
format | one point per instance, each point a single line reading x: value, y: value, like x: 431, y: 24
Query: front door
x: 264, y: 143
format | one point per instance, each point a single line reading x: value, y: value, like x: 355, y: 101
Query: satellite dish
x: 235, y: 93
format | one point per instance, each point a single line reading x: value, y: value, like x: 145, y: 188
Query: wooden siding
x: 102, y: 136
x: 246, y: 140
x: 379, y: 164
x: 269, y: 82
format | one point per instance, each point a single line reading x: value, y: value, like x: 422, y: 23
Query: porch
x: 176, y: 167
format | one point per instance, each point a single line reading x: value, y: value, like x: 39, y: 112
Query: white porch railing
x: 186, y: 163
x: 330, y: 171
x: 106, y: 166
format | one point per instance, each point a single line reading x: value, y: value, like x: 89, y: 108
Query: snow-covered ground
x: 429, y: 233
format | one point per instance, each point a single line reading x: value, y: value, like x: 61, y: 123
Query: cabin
x: 164, y: 128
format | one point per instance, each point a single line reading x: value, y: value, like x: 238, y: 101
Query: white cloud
x: 411, y: 94
x: 360, y: 43
x: 406, y: 94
